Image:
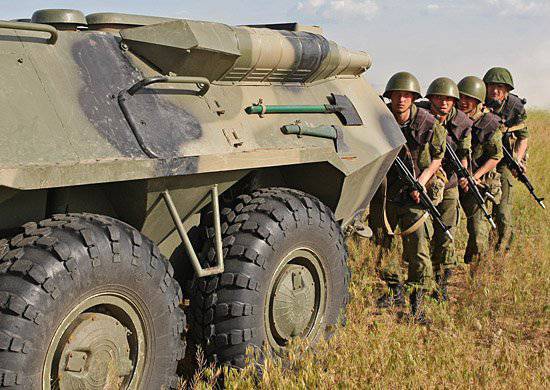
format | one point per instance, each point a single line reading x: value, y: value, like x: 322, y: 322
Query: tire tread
x: 18, y: 260
x: 283, y: 207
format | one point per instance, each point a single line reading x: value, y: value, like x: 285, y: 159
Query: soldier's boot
x: 440, y: 294
x: 469, y: 256
x: 394, y: 297
x: 505, y: 241
x: 417, y: 310
x: 510, y: 242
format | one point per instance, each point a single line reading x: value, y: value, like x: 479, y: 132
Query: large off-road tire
x: 87, y: 302
x: 286, y: 275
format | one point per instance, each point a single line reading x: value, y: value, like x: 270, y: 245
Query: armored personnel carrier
x: 139, y: 154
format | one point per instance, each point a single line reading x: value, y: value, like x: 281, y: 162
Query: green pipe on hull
x: 322, y: 131
x: 290, y: 109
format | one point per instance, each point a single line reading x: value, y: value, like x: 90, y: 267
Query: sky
x: 429, y: 38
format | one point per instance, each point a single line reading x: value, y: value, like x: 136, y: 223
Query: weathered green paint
x: 28, y: 26
x: 224, y: 53
x: 296, y: 298
x: 59, y: 17
x: 112, y: 19
x: 67, y: 145
x: 90, y: 335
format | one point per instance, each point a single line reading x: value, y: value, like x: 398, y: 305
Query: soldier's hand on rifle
x: 522, y: 166
x: 415, y: 195
x: 463, y: 183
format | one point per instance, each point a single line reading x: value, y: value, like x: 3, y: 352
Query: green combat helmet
x: 443, y: 86
x: 403, y: 81
x: 498, y: 75
x: 473, y: 87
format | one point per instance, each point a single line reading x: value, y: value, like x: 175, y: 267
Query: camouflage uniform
x: 401, y: 81
x: 513, y: 115
x: 459, y: 137
x: 486, y: 145
x: 425, y: 142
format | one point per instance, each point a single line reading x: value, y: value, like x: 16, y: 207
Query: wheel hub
x: 293, y: 301
x: 296, y: 298
x: 95, y: 354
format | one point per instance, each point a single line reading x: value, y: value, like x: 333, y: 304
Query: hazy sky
x: 429, y: 38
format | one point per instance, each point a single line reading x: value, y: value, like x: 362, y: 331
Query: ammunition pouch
x: 492, y: 182
x: 436, y: 186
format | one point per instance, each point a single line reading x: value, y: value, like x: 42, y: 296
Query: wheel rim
x: 100, y: 344
x: 296, y: 298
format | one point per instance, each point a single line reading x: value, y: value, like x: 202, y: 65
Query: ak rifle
x: 520, y: 174
x: 425, y: 200
x: 463, y: 173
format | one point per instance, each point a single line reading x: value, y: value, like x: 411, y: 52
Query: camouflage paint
x: 62, y: 126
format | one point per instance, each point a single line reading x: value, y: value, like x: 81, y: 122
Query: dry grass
x: 494, y: 334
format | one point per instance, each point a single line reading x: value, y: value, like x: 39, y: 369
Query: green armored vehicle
x: 240, y: 154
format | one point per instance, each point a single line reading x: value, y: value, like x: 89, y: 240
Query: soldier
x: 511, y: 110
x: 424, y: 151
x: 443, y: 96
x: 486, y: 153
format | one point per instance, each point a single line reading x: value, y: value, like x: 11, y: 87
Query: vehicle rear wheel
x: 87, y: 302
x: 285, y: 276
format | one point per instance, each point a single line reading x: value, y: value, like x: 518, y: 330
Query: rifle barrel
x: 425, y: 200
x: 521, y: 176
x: 472, y: 185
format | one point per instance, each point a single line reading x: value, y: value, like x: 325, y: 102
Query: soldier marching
x: 453, y: 159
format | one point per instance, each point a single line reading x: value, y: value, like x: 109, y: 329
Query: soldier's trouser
x: 416, y: 247
x: 502, y: 213
x: 478, y: 229
x: 443, y: 248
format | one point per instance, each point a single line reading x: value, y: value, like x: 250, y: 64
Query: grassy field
x: 495, y: 332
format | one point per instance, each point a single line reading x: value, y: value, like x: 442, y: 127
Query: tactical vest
x: 511, y: 115
x: 458, y: 128
x: 418, y: 134
x: 421, y: 133
x: 513, y: 111
x: 482, y: 131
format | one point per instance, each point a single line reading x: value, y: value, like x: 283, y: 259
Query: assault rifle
x: 472, y: 186
x: 520, y: 174
x: 425, y: 200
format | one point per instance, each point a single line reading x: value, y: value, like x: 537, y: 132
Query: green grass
x: 494, y: 333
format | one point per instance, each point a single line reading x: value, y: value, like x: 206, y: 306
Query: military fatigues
x: 425, y: 142
x: 512, y: 112
x: 486, y: 145
x: 388, y: 267
x: 459, y: 137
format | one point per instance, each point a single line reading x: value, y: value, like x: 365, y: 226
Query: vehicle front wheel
x: 89, y: 303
